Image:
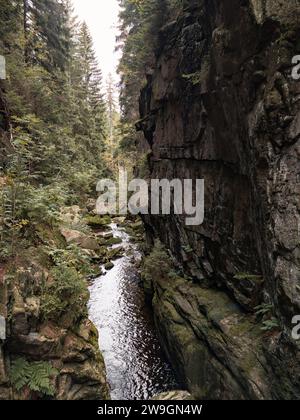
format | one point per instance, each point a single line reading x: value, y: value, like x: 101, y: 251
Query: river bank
x: 50, y: 347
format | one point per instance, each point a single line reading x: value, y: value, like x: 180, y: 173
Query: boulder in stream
x: 173, y: 396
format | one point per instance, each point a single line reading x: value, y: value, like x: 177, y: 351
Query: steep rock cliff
x: 221, y: 105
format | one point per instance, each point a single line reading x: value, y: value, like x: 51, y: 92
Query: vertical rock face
x: 222, y: 106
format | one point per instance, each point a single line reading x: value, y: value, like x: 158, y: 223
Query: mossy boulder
x: 98, y: 222
x: 114, y: 241
x: 173, y: 396
x: 110, y: 241
x: 115, y: 253
x: 194, y: 323
x: 109, y: 266
x: 79, y: 238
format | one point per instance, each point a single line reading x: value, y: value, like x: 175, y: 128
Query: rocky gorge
x: 221, y: 105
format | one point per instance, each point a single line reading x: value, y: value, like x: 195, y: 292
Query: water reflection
x: 136, y: 367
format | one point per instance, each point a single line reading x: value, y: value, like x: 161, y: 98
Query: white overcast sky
x: 102, y: 19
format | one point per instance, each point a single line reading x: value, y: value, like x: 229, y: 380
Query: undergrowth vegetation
x: 157, y: 265
x: 65, y: 294
x: 37, y: 376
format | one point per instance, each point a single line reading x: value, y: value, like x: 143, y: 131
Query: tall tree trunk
x: 25, y: 25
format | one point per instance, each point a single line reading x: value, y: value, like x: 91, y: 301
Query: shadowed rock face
x: 222, y: 106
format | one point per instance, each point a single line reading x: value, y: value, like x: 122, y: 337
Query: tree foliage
x: 66, y: 295
x: 57, y: 112
x: 140, y: 25
x: 141, y: 22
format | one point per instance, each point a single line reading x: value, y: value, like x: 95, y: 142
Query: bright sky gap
x: 102, y: 18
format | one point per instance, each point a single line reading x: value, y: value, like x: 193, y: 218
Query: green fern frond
x: 37, y: 376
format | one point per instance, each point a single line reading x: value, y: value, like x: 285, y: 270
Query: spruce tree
x: 87, y: 77
x: 111, y: 103
x: 140, y: 24
x: 46, y: 36
x: 54, y: 93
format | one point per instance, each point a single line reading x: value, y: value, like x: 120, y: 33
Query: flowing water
x: 136, y: 367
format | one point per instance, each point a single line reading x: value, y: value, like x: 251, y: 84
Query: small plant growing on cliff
x: 67, y: 294
x: 263, y: 309
x: 158, y: 264
x: 200, y: 75
x: 270, y: 325
x: 251, y: 277
x: 194, y: 78
x: 36, y: 376
x: 143, y: 166
x: 264, y: 312
x: 188, y: 249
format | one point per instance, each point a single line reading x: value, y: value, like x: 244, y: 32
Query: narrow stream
x: 136, y: 367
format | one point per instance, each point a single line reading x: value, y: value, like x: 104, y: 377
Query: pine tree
x: 10, y: 26
x: 113, y: 118
x: 54, y: 94
x: 141, y: 22
x: 89, y: 72
x: 46, y: 37
x: 87, y: 78
x: 111, y: 103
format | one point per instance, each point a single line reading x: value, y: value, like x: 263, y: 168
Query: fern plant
x: 72, y: 256
x: 188, y: 249
x: 270, y: 325
x: 36, y: 376
x: 194, y: 78
x: 263, y: 309
x: 66, y: 295
x: 264, y: 313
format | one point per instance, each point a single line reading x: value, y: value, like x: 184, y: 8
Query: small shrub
x: 269, y: 322
x: 158, y: 264
x: 72, y: 256
x: 66, y: 295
